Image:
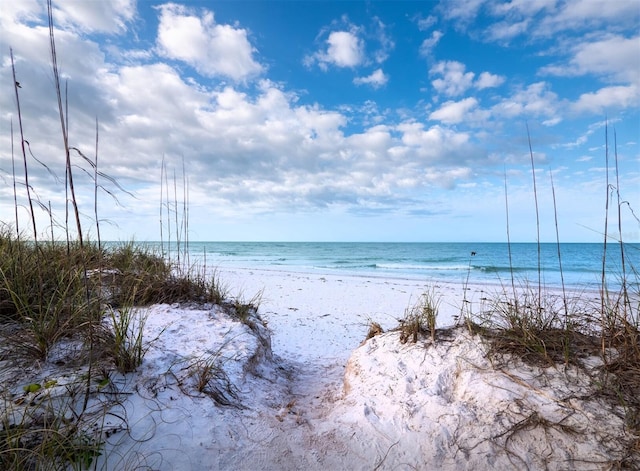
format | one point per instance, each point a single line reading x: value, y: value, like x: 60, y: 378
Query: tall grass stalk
x: 506, y: 204
x: 166, y: 181
x: 175, y: 214
x: 625, y: 292
x: 95, y: 192
x: 185, y: 212
x: 15, y: 193
x: 162, y: 170
x: 603, y: 287
x: 555, y: 216
x: 16, y: 85
x: 564, y: 292
x: 65, y: 136
x: 535, y: 197
x: 66, y: 175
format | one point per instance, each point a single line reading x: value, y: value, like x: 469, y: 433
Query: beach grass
x: 87, y: 300
x: 421, y: 317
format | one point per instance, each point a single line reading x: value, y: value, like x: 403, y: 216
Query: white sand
x: 320, y: 401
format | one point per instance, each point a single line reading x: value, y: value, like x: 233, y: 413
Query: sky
x: 325, y: 120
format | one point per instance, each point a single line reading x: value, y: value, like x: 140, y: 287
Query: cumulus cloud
x: 488, y: 80
x: 536, y: 99
x: 607, y: 98
x: 434, y: 144
x: 212, y: 49
x: 376, y: 79
x: 454, y: 112
x: 343, y: 49
x: 454, y: 80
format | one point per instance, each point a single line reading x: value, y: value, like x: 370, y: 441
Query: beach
x: 320, y: 315
x: 305, y: 391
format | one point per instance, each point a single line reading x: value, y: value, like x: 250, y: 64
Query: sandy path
x: 317, y: 321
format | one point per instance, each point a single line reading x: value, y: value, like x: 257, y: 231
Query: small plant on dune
x: 128, y: 349
x: 374, y: 329
x: 244, y: 310
x: 421, y: 317
x: 210, y: 378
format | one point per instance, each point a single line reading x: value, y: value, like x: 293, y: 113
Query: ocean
x: 455, y: 262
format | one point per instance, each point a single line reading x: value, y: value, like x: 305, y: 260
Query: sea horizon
x: 580, y: 264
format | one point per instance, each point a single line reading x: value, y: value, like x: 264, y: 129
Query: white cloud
x: 212, y: 49
x: 606, y: 98
x: 104, y: 16
x: 376, y: 79
x: 426, y: 22
x: 435, y: 143
x: 535, y: 100
x: 386, y: 43
x: 535, y: 19
x: 455, y: 81
x: 454, y: 112
x: 588, y: 14
x: 344, y: 49
x: 428, y: 44
x: 25, y: 10
x: 488, y: 80
x: 463, y: 11
x: 614, y: 57
x: 503, y: 31
x: 522, y: 8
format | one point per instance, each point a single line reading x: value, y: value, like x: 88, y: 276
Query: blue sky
x: 319, y: 120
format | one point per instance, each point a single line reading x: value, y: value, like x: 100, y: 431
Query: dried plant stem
x: 166, y: 182
x: 175, y: 214
x: 95, y: 192
x: 15, y: 193
x: 51, y: 223
x: 535, y: 196
x: 16, y: 85
x: 185, y: 212
x: 555, y: 214
x: 65, y: 137
x: 161, y: 204
x: 506, y: 204
x: 603, y: 289
x: 625, y: 293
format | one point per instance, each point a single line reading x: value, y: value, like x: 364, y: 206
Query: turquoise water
x: 456, y: 262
